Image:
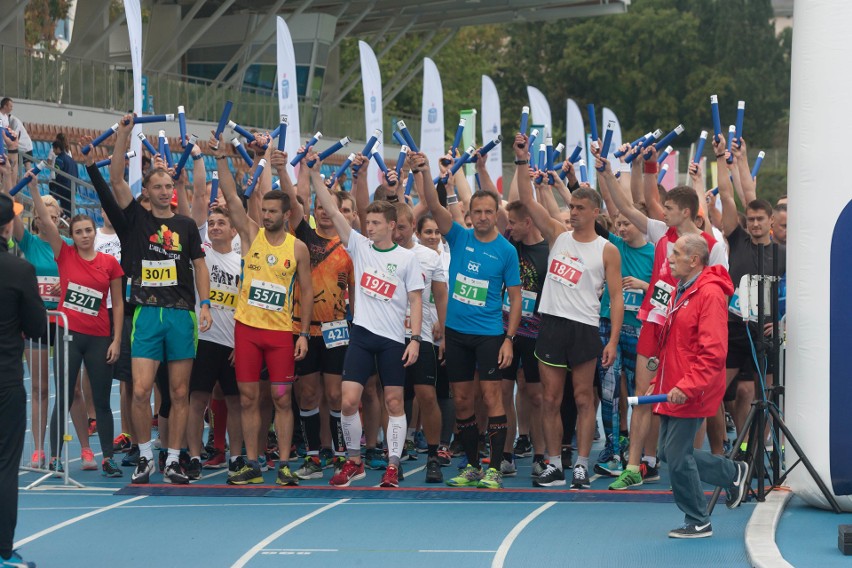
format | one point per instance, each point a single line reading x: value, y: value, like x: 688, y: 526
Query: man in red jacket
x: 693, y: 345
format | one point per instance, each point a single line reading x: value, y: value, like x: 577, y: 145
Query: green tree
x: 40, y: 17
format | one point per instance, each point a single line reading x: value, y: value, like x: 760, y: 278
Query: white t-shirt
x: 224, y: 270
x: 382, y: 282
x: 433, y: 271
x: 108, y: 244
x: 236, y: 243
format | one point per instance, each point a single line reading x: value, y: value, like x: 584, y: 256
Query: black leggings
x: 91, y: 350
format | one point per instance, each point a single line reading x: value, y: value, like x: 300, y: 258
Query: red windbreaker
x: 694, y: 346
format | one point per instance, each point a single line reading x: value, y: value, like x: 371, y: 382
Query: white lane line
x: 460, y: 551
x: 245, y: 558
x: 64, y: 524
x: 503, y: 550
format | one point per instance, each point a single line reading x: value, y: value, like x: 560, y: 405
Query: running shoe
x: 492, y: 479
x: 538, y: 468
x: 311, y: 468
x: 350, y: 472
x: 285, y: 477
x: 730, y: 427
x: 456, y: 448
x: 143, y: 471
x: 161, y: 460
x: 235, y: 465
x: 37, y: 459
x: 552, y: 476
x: 391, y: 477
x: 326, y: 458
x: 16, y: 561
x: 737, y: 490
x: 610, y: 468
x: 410, y: 450
x: 580, y: 478
x: 131, y: 458
x: 627, y: 479
x: 691, y: 530
x: 508, y: 469
x: 193, y: 470
x: 375, y: 459
x: 87, y: 460
x: 110, y: 469
x: 93, y: 427
x: 523, y: 447
x: 174, y: 474
x: 184, y: 459
x: 420, y: 442
x: 122, y: 443
x: 56, y: 465
x: 606, y: 452
x: 433, y: 471
x: 468, y: 477
x: 444, y: 456
x: 247, y: 474
x: 567, y: 455
x: 650, y: 473
x: 217, y: 460
x: 262, y: 463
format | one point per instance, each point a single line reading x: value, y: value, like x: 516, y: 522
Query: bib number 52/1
x: 82, y: 299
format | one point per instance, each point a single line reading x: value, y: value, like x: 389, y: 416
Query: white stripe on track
x: 503, y: 550
x: 64, y: 524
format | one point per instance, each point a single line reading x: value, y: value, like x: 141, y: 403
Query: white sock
x: 650, y: 460
x: 173, y: 456
x: 145, y: 450
x: 583, y: 461
x: 409, y: 434
x: 352, y: 429
x: 394, y: 438
x: 556, y: 462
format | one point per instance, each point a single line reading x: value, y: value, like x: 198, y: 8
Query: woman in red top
x: 85, y: 278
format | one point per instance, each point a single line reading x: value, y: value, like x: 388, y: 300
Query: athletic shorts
x: 563, y: 342
x: 123, y: 368
x: 164, y: 334
x: 212, y: 366
x: 740, y: 355
x: 255, y: 346
x: 424, y: 371
x: 524, y: 357
x: 369, y: 353
x: 649, y: 340
x: 321, y: 359
x: 466, y: 353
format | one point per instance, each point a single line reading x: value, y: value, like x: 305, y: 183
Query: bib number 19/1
x: 378, y: 285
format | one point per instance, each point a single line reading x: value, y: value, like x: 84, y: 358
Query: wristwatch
x: 510, y: 338
x: 417, y: 338
x: 305, y: 335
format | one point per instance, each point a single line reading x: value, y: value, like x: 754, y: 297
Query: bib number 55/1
x: 267, y: 296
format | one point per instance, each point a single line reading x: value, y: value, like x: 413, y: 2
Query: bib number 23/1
x: 378, y: 285
x: 159, y: 273
x: 267, y: 296
x: 470, y: 291
x: 82, y: 299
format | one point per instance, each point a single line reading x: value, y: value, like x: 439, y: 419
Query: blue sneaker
x: 606, y: 453
x: 420, y: 442
x: 326, y: 458
x: 16, y: 561
x: 375, y: 459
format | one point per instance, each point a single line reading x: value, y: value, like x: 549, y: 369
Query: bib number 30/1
x: 159, y: 273
x: 267, y: 296
x: 82, y: 299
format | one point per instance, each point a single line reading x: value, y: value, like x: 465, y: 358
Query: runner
x: 167, y: 266
x: 388, y: 278
x: 482, y: 265
x: 579, y: 265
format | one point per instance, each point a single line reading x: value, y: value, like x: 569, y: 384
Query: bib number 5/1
x: 470, y: 291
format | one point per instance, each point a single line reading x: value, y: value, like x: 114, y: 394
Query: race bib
x: 470, y: 291
x: 567, y: 271
x: 378, y: 285
x: 407, y: 322
x: 335, y: 333
x: 82, y: 299
x: 661, y: 295
x: 527, y: 303
x: 223, y: 297
x: 633, y: 299
x: 159, y: 273
x: 45, y: 288
x: 267, y: 296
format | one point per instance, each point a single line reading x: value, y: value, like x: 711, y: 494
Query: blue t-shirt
x: 40, y: 254
x: 635, y: 262
x: 478, y: 273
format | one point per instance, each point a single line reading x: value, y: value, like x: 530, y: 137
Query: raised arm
x: 200, y: 195
x: 621, y: 197
x: 485, y: 181
x: 48, y: 229
x: 246, y: 228
x: 649, y: 187
x: 420, y: 167
x: 121, y: 188
x: 360, y: 189
x: 328, y: 202
x: 550, y: 228
x: 730, y: 219
x: 749, y: 186
x: 279, y: 162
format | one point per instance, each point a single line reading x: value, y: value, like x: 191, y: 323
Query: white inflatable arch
x: 819, y: 280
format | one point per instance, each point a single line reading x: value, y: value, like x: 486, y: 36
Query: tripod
x: 764, y: 410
